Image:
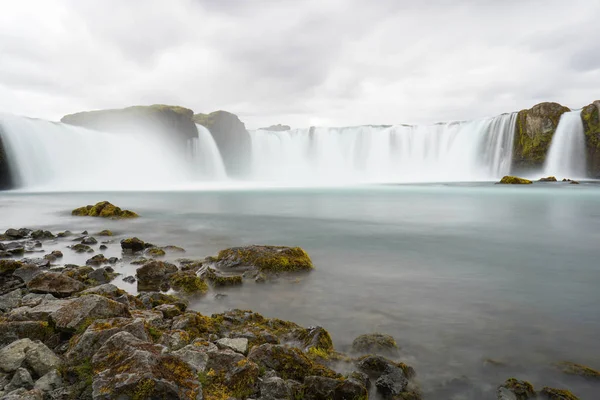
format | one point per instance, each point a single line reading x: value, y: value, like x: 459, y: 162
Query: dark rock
x: 375, y: 343
x: 10, y: 300
x: 7, y: 267
x: 548, y: 179
x: 56, y: 284
x: 133, y: 244
x: 289, y: 362
x: 89, y: 240
x: 40, y: 234
x: 105, y: 232
x: 83, y: 310
x: 231, y: 137
x: 64, y: 234
x: 548, y: 393
x: 81, y: 248
x: 126, y: 364
x: 101, y: 276
x: 129, y: 279
x: 275, y: 388
x: 391, y: 383
x: 103, y: 247
x: 113, y: 260
x: 18, y: 233
x: 98, y: 259
x: 27, y: 272
x: 319, y: 388
x: 153, y: 299
x: 151, y: 275
x: 169, y: 310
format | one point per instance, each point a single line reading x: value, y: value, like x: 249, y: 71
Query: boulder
x: 548, y: 179
x: 318, y: 388
x: 21, y: 379
x: 239, y: 345
x: 88, y: 343
x: 7, y: 267
x: 40, y: 359
x: 267, y: 259
x: 10, y: 300
x: 196, y: 357
x: 514, y: 389
x: 151, y: 275
x: 232, y: 138
x: 14, y: 330
x: 49, y: 382
x: 103, y: 209
x: 289, y: 362
x: 534, y: 131
x: 591, y: 128
x: 40, y: 312
x: 54, y: 283
x: 13, y: 355
x: 275, y: 388
x: 133, y: 245
x: 107, y: 290
x: 126, y: 365
x: 514, y: 180
x: 375, y: 343
x: 220, y: 279
x: 80, y: 312
x: 188, y: 282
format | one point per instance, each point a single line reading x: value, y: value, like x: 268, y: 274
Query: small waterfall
x: 566, y: 156
x: 60, y: 157
x: 456, y: 151
x: 206, y: 158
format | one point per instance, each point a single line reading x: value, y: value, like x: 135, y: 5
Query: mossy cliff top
x: 157, y: 117
x: 591, y: 126
x: 534, y: 131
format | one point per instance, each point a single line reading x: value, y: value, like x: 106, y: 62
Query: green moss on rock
x: 188, y: 282
x: 217, y: 279
x: 572, y: 368
x: 103, y: 209
x: 268, y: 259
x: 533, y: 134
x: 514, y: 180
x: 557, y: 394
x: 591, y: 128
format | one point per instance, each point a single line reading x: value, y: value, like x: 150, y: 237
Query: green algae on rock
x: 590, y: 116
x: 103, y: 209
x: 268, y: 259
x: 514, y: 180
x: 188, y: 282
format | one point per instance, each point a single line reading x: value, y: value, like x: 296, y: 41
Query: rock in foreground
x: 514, y: 180
x: 104, y: 209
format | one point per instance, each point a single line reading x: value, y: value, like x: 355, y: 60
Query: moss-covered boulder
x: 231, y: 137
x: 548, y: 179
x: 219, y: 279
x: 188, y: 282
x: 103, y: 209
x: 127, y: 367
x: 514, y: 180
x: 590, y: 115
x: 266, y: 259
x: 516, y: 389
x: 533, y: 134
x: 375, y: 343
x: 548, y: 393
x: 152, y: 275
x: 79, y: 313
x: 54, y: 283
x: 572, y: 368
x: 133, y: 245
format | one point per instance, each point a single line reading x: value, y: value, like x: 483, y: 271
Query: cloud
x: 331, y: 61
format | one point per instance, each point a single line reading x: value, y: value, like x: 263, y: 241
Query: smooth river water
x: 459, y: 274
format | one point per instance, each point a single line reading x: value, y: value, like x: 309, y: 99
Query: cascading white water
x: 458, y: 151
x: 206, y: 158
x: 566, y: 156
x: 54, y: 156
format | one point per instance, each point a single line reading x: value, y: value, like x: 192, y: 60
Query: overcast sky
x: 321, y: 62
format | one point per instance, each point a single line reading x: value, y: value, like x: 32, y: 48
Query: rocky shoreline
x: 67, y: 332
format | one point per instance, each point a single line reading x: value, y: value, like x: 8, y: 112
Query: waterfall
x: 206, y: 158
x: 60, y: 157
x: 566, y: 156
x: 456, y: 151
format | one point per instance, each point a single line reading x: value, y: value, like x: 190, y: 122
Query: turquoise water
x: 456, y: 273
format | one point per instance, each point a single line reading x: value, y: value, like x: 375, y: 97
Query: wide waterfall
x: 456, y: 151
x: 206, y: 158
x: 566, y: 156
x: 59, y: 157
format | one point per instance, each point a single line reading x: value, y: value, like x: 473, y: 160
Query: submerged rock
x: 103, y: 209
x: 267, y: 259
x: 572, y: 368
x: 514, y: 389
x: 375, y: 343
x: 514, y: 180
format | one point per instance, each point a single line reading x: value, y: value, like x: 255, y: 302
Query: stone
x: 289, y: 362
x: 98, y: 259
x: 41, y: 234
x: 103, y: 209
x: 23, y: 394
x: 266, y: 259
x: 514, y: 180
x: 27, y: 272
x: 7, y: 267
x: 101, y: 276
x: 89, y: 240
x: 126, y: 364
x: 169, y: 310
x: 133, y: 245
x: 106, y: 290
x: 195, y: 356
x: 13, y: 355
x: 239, y: 345
x: 10, y: 300
x: 375, y: 343
x: 129, y: 279
x: 55, y: 283
x: 391, y: 383
x: 152, y: 274
x: 86, y: 345
x: 81, y: 248
x: 49, y: 382
x: 21, y: 379
x: 41, y: 359
x: 519, y: 390
x: 81, y: 311
x: 41, y: 312
x: 275, y: 388
x: 548, y: 179
x: 175, y: 339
